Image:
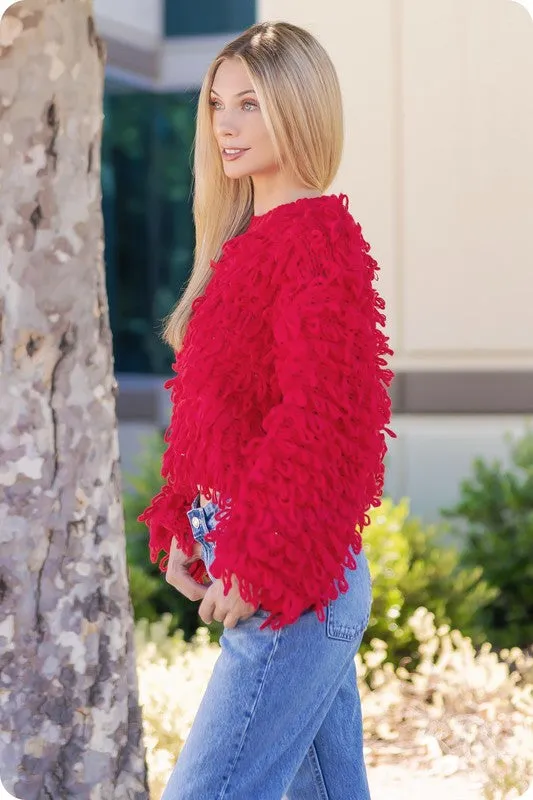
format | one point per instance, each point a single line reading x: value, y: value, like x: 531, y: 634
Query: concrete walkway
x: 395, y: 782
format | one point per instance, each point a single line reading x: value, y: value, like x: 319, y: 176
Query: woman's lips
x: 231, y: 155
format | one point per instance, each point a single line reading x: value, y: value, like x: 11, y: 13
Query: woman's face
x: 238, y: 123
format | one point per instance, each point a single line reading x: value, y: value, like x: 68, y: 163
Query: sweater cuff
x: 166, y: 517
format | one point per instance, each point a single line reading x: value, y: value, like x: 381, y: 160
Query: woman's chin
x: 234, y: 172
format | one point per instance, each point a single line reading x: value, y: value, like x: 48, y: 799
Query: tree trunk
x: 69, y: 715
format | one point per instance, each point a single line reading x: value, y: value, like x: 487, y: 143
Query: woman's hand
x: 228, y: 609
x: 177, y: 574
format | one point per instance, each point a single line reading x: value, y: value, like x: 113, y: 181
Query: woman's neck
x: 268, y: 196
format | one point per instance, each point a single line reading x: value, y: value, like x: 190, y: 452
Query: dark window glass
x: 147, y: 205
x: 207, y: 16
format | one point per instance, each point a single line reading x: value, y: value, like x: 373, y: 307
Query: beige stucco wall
x: 439, y: 167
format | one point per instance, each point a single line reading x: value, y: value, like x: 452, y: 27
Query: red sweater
x: 280, y: 405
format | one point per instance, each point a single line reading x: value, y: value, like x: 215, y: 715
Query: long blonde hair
x: 300, y: 99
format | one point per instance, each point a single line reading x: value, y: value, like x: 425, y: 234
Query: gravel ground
x: 394, y: 782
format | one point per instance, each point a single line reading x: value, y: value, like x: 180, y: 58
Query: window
x: 147, y: 205
x: 208, y: 17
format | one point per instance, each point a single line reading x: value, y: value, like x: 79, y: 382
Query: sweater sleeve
x: 318, y: 468
x: 166, y: 516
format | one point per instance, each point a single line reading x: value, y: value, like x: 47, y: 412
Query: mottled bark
x: 70, y: 722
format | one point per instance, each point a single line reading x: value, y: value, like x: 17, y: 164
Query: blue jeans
x: 281, y: 715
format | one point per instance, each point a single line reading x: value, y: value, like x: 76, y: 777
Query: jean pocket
x: 348, y: 615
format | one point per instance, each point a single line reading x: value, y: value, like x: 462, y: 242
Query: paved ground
x: 402, y: 783
x: 394, y: 782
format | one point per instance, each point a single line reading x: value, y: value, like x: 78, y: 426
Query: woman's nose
x: 226, y: 124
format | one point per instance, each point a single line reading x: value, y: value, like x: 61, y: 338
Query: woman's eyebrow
x: 239, y: 94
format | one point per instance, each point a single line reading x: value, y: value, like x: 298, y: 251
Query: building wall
x: 167, y: 45
x: 131, y: 20
x: 438, y: 165
x: 133, y: 33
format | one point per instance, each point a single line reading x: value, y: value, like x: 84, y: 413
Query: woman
x: 277, y: 433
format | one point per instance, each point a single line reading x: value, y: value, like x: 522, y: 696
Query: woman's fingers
x: 207, y: 608
x: 179, y: 556
x: 177, y: 574
x: 231, y: 620
x: 180, y: 579
x: 228, y: 609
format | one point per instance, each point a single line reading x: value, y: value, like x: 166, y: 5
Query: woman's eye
x: 249, y: 105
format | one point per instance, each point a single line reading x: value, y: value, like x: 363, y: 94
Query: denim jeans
x: 281, y: 715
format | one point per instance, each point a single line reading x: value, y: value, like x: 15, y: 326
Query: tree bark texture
x: 69, y: 716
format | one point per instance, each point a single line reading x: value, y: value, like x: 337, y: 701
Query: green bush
x: 410, y: 568
x: 494, y: 517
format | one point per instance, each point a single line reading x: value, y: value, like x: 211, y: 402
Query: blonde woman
x: 277, y: 436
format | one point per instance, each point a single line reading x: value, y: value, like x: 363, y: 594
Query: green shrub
x: 410, y: 568
x: 494, y: 517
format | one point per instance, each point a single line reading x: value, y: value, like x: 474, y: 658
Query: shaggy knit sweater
x: 280, y: 404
